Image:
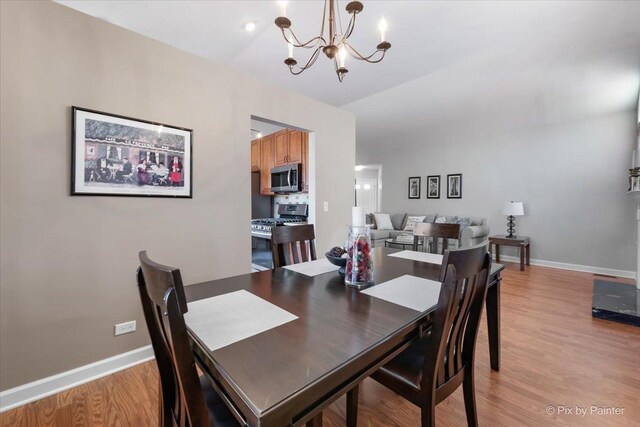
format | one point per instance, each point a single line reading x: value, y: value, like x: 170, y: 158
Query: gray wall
x: 571, y: 175
x: 68, y: 263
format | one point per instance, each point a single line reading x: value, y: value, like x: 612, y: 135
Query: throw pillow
x: 430, y: 218
x: 440, y: 220
x: 398, y: 220
x: 383, y: 221
x: 411, y: 222
x: 370, y: 219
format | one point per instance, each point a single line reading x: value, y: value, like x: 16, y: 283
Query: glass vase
x: 359, y: 269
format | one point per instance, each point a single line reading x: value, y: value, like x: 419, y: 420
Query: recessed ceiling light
x: 250, y: 26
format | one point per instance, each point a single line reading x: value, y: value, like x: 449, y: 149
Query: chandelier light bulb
x: 290, y: 46
x: 343, y: 55
x: 383, y: 29
x: 283, y: 5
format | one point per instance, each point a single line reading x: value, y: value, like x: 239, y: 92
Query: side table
x: 521, y: 242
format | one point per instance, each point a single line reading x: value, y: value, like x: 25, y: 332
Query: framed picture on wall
x: 454, y: 186
x: 115, y: 155
x: 433, y: 187
x: 414, y: 187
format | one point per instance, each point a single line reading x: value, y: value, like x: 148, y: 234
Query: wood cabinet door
x: 266, y: 163
x: 296, y: 139
x: 255, y: 155
x: 281, y: 149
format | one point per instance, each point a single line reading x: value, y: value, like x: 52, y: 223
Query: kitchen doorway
x: 282, y: 183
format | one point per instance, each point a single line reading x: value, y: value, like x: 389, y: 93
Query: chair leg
x: 470, y: 398
x: 428, y: 416
x: 352, y: 407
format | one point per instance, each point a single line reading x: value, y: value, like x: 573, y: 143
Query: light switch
x: 326, y: 206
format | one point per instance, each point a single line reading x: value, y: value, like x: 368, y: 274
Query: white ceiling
x: 264, y: 128
x: 445, y: 56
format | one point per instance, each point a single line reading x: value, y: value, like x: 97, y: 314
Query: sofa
x: 474, y: 230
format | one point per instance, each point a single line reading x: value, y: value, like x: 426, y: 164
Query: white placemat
x: 313, y: 268
x: 408, y: 291
x: 224, y: 319
x: 419, y: 256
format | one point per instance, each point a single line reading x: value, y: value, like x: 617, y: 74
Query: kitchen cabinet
x: 255, y: 155
x: 288, y: 146
x: 281, y: 147
x: 267, y: 158
x: 296, y: 141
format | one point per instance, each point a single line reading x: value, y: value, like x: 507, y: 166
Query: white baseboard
x: 573, y: 267
x: 36, y: 390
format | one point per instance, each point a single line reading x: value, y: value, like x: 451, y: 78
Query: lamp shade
x: 513, y: 208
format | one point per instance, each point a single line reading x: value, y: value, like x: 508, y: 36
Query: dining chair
x: 431, y: 233
x: 186, y: 400
x: 434, y: 365
x: 292, y: 244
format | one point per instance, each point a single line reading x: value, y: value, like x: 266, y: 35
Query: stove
x: 288, y: 214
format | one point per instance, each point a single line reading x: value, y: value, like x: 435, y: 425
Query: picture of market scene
x: 119, y: 156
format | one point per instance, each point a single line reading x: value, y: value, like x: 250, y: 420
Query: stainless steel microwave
x: 287, y: 178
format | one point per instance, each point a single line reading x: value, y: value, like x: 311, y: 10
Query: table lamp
x: 512, y: 210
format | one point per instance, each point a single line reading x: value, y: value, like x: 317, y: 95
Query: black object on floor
x: 617, y: 302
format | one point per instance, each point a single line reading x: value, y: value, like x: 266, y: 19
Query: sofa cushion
x: 398, y: 220
x: 379, y: 234
x: 440, y: 220
x: 383, y: 221
x: 396, y: 233
x: 411, y: 221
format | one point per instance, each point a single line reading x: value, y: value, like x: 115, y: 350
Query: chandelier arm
x: 350, y: 27
x: 357, y: 55
x: 309, y: 44
x: 309, y: 64
x: 340, y: 75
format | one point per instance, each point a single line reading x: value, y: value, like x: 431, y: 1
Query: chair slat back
x: 292, y: 244
x: 163, y: 302
x: 457, y: 317
x: 431, y: 233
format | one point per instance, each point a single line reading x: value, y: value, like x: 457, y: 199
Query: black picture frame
x: 414, y: 187
x: 454, y: 186
x: 103, y: 171
x: 433, y: 191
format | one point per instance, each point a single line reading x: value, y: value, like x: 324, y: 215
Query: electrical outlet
x: 326, y: 206
x: 125, y: 328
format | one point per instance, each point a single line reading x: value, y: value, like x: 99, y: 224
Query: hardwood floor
x: 553, y: 354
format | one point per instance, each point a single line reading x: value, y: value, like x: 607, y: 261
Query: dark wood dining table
x: 289, y: 374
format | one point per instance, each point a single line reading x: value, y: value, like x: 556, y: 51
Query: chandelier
x: 335, y: 46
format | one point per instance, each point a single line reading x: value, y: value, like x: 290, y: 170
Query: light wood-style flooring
x: 553, y: 354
